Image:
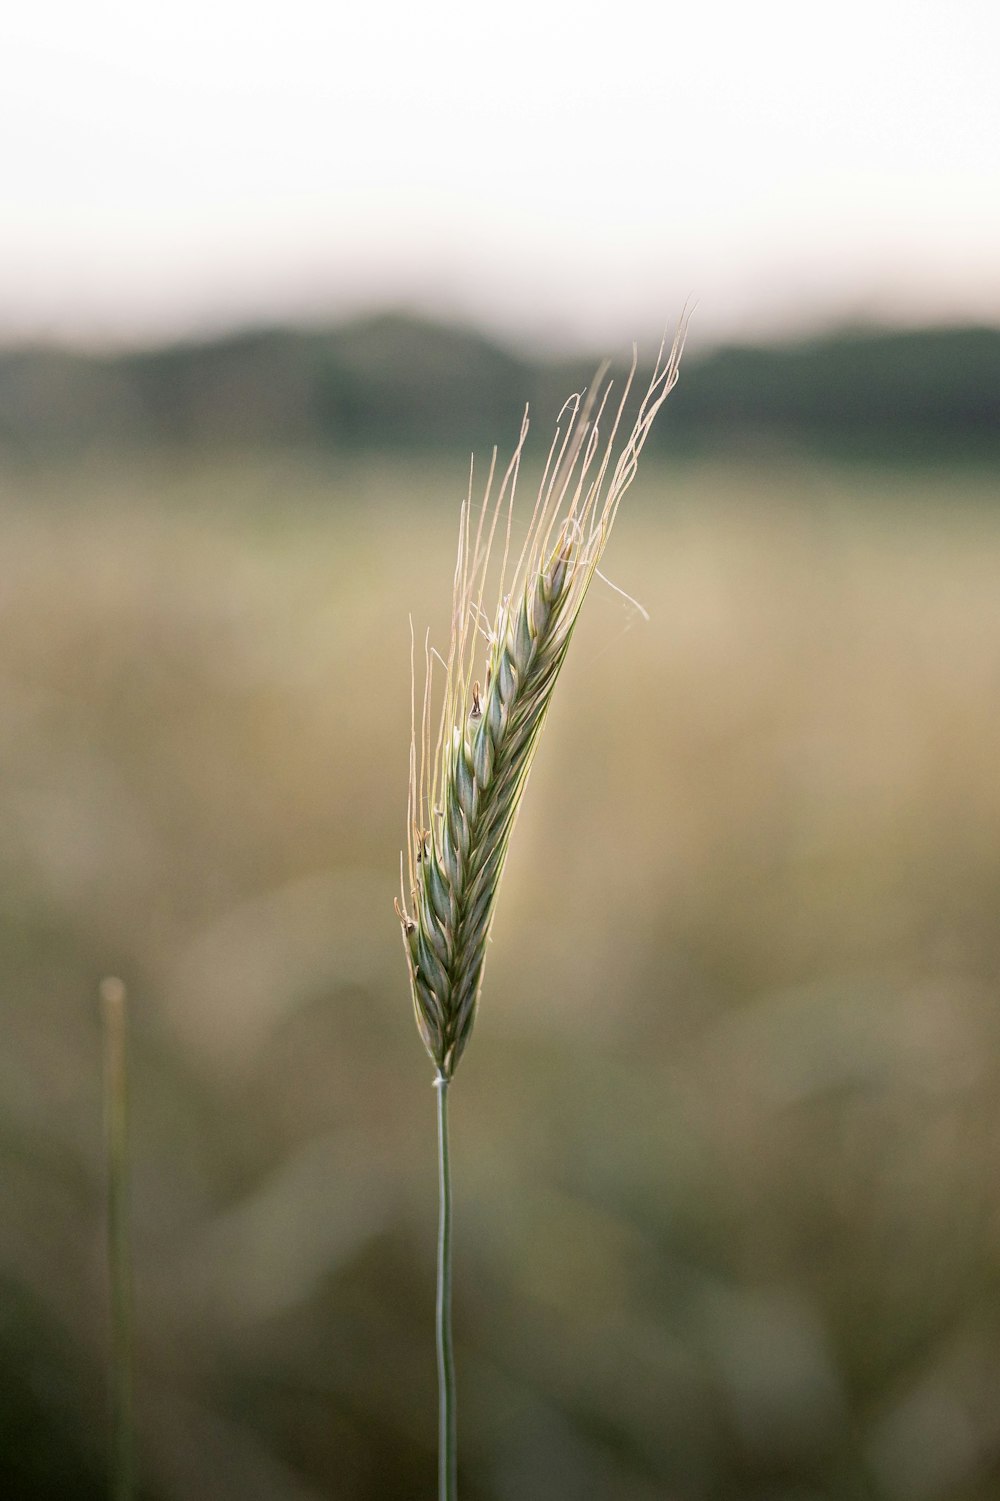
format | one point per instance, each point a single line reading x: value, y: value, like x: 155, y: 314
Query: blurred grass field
x: 726, y: 1139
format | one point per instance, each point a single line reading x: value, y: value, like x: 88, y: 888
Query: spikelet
x: 466, y: 786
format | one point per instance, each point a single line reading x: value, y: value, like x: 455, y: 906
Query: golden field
x: 725, y: 1140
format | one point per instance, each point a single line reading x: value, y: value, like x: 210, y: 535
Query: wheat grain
x: 465, y: 785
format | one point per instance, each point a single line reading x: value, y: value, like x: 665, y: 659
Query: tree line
x: 397, y: 382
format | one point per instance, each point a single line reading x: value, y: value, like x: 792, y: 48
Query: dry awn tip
x: 470, y: 753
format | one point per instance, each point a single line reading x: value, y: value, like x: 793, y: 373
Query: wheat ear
x: 465, y: 788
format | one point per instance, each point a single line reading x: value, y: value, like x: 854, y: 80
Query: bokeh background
x: 726, y: 1138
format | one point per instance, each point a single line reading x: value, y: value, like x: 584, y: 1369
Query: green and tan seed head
x: 466, y: 780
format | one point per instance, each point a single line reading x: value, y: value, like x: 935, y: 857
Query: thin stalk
x: 447, y: 1440
x: 119, y: 1240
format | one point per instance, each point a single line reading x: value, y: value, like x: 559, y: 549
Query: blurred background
x: 725, y: 1142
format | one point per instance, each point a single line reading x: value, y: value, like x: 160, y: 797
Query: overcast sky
x: 567, y: 171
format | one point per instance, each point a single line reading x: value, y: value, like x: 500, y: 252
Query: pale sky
x: 555, y: 170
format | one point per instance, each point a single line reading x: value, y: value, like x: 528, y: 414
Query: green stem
x: 447, y: 1444
x: 119, y: 1244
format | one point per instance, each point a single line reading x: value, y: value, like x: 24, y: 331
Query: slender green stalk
x: 466, y: 780
x: 119, y: 1239
x: 447, y: 1439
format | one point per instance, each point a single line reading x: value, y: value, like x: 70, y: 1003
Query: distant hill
x: 871, y: 393
x: 393, y: 381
